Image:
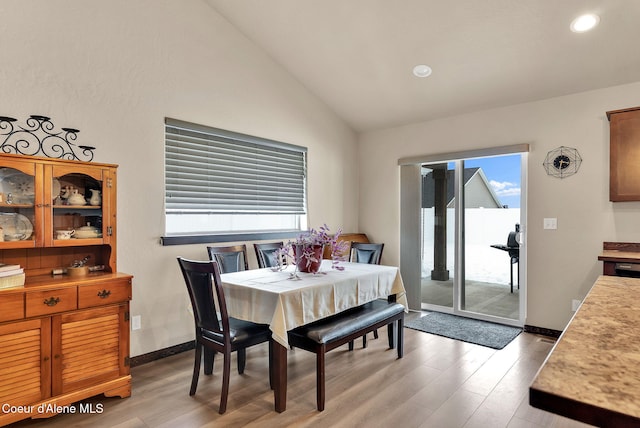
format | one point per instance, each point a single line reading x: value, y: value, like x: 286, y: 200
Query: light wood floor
x: 439, y: 383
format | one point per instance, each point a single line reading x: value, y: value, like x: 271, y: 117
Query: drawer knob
x: 104, y: 294
x: 52, y: 301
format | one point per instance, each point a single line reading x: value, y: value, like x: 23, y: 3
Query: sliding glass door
x: 472, y: 223
x: 438, y: 226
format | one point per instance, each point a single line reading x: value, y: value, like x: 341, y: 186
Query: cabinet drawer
x: 51, y: 301
x: 104, y: 293
x: 11, y: 307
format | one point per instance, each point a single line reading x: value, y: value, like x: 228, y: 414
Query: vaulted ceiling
x: 358, y: 55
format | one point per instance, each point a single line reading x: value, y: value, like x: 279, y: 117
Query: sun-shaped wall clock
x: 562, y: 162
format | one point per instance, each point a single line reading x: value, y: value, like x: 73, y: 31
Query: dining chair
x: 266, y: 254
x: 360, y: 252
x: 229, y: 259
x: 216, y: 331
x: 366, y: 253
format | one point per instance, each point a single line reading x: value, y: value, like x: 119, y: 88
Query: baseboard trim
x: 542, y: 331
x: 187, y: 346
x: 162, y: 353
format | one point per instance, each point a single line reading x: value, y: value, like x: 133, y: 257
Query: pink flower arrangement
x: 306, y: 250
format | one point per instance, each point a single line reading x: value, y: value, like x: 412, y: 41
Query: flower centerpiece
x: 307, y: 249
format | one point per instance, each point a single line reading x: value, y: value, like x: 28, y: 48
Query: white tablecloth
x: 268, y: 297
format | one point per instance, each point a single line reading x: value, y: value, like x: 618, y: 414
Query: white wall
x: 115, y: 70
x: 562, y: 263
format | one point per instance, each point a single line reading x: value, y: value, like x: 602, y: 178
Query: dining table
x: 286, y: 299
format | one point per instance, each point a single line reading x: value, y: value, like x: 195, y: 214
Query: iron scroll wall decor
x: 39, y: 138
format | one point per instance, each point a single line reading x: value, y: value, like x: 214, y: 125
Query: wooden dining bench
x: 329, y: 333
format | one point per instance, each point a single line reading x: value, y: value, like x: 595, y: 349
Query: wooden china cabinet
x: 62, y: 338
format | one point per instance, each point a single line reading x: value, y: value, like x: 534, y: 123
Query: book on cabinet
x: 8, y: 267
x: 12, y: 281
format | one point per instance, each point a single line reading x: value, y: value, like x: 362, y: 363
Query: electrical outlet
x: 136, y: 322
x: 575, y: 304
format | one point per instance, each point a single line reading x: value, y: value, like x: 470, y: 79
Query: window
x: 220, y: 182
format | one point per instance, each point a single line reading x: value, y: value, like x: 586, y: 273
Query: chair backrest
x: 229, y: 259
x: 366, y: 253
x: 266, y: 254
x: 207, y: 297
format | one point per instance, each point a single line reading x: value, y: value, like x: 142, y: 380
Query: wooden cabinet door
x: 89, y: 347
x: 25, y: 363
x: 624, y: 178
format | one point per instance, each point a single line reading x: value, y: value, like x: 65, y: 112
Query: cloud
x: 515, y: 191
x: 505, y: 188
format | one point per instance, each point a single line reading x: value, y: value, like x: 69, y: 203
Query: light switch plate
x: 136, y: 322
x: 550, y: 223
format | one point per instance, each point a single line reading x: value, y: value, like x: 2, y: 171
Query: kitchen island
x: 593, y: 372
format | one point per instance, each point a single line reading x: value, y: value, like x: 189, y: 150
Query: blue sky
x: 503, y: 173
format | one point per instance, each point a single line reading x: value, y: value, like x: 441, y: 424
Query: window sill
x: 227, y: 237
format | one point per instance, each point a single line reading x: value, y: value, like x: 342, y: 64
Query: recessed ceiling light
x: 422, y: 70
x: 584, y: 23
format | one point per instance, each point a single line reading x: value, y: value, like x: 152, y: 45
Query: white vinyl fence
x: 484, y: 227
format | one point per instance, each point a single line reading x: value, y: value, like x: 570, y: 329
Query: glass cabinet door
x: 17, y: 205
x: 77, y: 207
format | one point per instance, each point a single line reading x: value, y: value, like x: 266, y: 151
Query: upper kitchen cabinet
x: 624, y: 155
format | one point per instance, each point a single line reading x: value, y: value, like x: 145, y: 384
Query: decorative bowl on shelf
x: 78, y: 271
x: 76, y: 198
x: 14, y: 237
x: 87, y: 232
x: 65, y: 234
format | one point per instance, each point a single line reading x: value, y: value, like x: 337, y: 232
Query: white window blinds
x: 214, y: 171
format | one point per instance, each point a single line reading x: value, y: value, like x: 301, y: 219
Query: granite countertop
x: 593, y: 372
